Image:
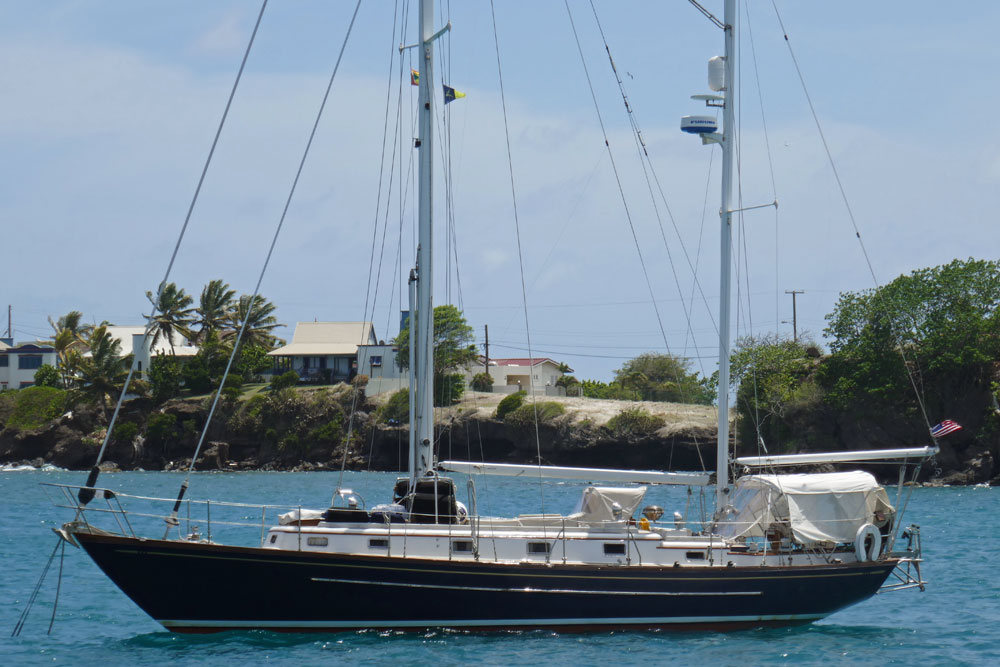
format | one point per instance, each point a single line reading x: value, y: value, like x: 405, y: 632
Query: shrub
x: 510, y: 403
x: 359, y: 381
x: 196, y: 376
x: 331, y: 431
x: 634, y: 422
x: 37, y: 406
x: 284, y: 381
x: 396, y: 409
x: 482, y: 382
x: 125, y: 431
x: 448, y: 389
x: 290, y: 444
x: 164, y: 377
x: 525, y: 415
x: 47, y: 376
x: 161, y: 427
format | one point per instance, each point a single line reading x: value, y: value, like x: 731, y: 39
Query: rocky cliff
x: 309, y: 430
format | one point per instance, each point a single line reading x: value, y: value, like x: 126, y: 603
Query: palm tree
x: 260, y: 322
x: 69, y: 337
x: 103, y: 373
x: 214, y: 307
x: 172, y: 315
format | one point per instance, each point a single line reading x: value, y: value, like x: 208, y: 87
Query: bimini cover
x: 818, y: 508
x: 602, y: 503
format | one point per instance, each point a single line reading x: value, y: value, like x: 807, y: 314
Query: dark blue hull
x: 191, y: 587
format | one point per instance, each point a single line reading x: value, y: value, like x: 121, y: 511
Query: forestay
x: 818, y: 508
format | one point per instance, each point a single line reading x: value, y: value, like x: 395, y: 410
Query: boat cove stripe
x: 537, y: 590
x: 487, y: 622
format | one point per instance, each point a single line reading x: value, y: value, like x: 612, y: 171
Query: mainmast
x: 422, y: 318
x: 725, y: 254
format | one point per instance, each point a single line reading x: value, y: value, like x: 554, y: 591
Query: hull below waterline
x: 193, y: 587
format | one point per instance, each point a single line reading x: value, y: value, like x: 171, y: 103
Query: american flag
x: 944, y: 428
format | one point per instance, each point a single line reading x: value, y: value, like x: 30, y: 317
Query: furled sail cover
x: 598, y: 503
x: 818, y: 508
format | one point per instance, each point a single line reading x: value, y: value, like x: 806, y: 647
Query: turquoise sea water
x: 956, y: 621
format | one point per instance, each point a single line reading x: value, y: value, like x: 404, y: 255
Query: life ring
x: 864, y: 533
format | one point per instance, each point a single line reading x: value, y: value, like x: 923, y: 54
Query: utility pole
x: 795, y: 319
x: 10, y: 327
x: 486, y: 347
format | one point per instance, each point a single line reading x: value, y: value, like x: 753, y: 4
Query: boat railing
x: 145, y: 516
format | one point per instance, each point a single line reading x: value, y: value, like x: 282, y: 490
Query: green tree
x: 165, y: 374
x: 173, y: 317
x: 260, y: 320
x: 608, y: 391
x: 69, y: 339
x: 48, y: 376
x: 663, y: 377
x: 943, y: 320
x: 775, y: 376
x: 215, y: 307
x: 252, y: 362
x: 102, y: 374
x: 482, y: 382
x: 453, y: 351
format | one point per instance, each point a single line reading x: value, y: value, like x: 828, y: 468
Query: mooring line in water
x: 55, y: 602
x: 34, y: 593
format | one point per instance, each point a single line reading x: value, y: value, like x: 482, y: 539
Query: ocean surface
x: 956, y: 621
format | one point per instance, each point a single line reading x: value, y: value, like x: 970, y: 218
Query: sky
x: 109, y: 110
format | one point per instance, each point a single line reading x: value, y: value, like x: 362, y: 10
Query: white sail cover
x: 602, y: 503
x: 818, y: 508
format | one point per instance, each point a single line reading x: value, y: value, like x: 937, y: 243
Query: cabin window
x: 539, y: 547
x: 317, y: 541
x: 461, y: 546
x: 274, y: 538
x: 696, y: 555
x: 378, y: 543
x: 614, y: 548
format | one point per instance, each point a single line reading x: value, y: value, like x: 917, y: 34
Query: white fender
x: 864, y: 532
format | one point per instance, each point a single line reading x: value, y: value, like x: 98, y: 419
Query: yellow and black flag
x: 450, y: 94
x: 414, y: 77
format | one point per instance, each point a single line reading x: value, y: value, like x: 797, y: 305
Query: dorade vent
x: 539, y: 547
x: 315, y: 541
x: 461, y: 546
x: 614, y: 548
x: 378, y: 543
x: 695, y: 555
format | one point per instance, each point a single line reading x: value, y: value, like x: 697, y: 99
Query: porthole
x: 695, y: 555
x: 539, y: 547
x: 378, y: 543
x: 614, y: 549
x: 274, y: 538
x: 461, y: 546
x: 317, y: 541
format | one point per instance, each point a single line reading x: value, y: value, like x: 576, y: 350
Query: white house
x: 324, y: 351
x: 378, y: 362
x: 133, y: 341
x: 18, y: 363
x: 510, y: 375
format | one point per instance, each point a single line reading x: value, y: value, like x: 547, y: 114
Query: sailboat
x: 780, y: 549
